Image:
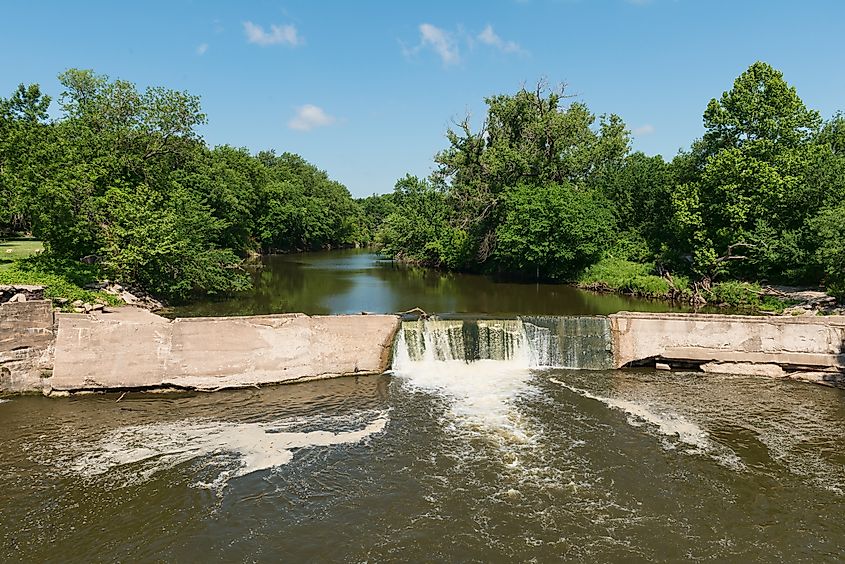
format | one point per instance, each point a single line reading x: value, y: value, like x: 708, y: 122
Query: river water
x: 493, y: 460
x: 352, y: 281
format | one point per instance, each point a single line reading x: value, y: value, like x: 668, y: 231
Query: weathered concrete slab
x: 125, y: 349
x: 133, y: 348
x: 730, y: 340
x: 26, y: 345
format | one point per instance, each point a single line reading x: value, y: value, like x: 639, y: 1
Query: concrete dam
x: 128, y: 348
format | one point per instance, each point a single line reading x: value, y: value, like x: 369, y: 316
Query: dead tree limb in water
x: 420, y: 311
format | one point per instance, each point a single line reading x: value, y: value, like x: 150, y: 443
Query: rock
x: 799, y: 310
x: 97, y: 307
x: 662, y: 366
x: 90, y: 259
x: 87, y: 307
x: 18, y: 298
x: 61, y: 301
x: 832, y: 379
x: 744, y: 368
x: 128, y: 297
x: 78, y: 310
x: 77, y: 303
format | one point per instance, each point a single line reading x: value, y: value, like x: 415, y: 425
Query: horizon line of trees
x: 122, y: 177
x: 543, y: 190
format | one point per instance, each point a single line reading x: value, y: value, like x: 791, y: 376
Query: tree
x: 761, y: 113
x: 528, y: 139
x: 552, y: 230
x: 23, y: 129
x: 740, y: 203
x: 303, y: 209
x: 640, y: 190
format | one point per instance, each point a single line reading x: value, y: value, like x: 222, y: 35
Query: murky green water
x: 475, y: 462
x: 352, y: 281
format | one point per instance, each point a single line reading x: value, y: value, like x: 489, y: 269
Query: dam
x: 129, y: 348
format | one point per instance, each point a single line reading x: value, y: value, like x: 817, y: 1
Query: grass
x: 17, y: 248
x: 618, y: 275
x: 638, y: 279
x: 62, y: 280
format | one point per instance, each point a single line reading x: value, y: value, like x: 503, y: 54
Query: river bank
x: 77, y: 288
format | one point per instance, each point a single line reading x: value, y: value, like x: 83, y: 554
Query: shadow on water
x: 352, y: 281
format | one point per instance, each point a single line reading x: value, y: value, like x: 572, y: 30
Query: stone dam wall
x: 804, y: 347
x: 131, y: 348
x: 27, y: 340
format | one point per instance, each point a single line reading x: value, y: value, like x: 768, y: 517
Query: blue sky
x: 366, y: 90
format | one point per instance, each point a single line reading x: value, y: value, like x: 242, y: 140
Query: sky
x: 366, y: 90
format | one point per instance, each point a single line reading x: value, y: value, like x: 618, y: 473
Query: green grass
x: 744, y: 295
x: 628, y: 277
x: 61, y: 279
x: 638, y: 279
x: 16, y: 248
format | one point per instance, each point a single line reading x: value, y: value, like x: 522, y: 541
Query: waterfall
x: 582, y: 342
x: 555, y: 342
x: 444, y: 340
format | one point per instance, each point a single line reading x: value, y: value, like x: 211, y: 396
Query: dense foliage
x: 542, y: 190
x: 123, y: 179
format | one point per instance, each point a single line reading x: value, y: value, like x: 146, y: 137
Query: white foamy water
x: 240, y: 448
x: 4, y: 401
x: 667, y: 423
x: 479, y: 393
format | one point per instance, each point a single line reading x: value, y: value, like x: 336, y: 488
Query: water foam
x: 239, y: 448
x: 480, y: 394
x: 666, y: 422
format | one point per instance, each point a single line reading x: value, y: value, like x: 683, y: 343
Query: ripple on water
x: 667, y: 423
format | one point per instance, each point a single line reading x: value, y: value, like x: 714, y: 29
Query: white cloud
x: 278, y: 34
x: 489, y: 37
x: 441, y: 41
x: 309, y: 117
x: 202, y: 48
x: 643, y: 130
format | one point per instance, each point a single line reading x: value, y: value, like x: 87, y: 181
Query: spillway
x: 581, y: 342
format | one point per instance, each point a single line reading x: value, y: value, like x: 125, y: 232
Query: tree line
x: 121, y: 178
x: 544, y: 190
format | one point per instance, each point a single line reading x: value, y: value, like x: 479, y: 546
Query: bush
x: 61, y: 279
x: 743, y: 295
x: 553, y: 230
x: 631, y: 278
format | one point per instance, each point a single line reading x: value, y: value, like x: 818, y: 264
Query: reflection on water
x: 483, y: 461
x: 351, y: 281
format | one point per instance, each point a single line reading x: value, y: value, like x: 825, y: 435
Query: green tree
x: 552, y: 230
x: 528, y: 137
x: 741, y: 198
x: 303, y: 209
x: 24, y: 131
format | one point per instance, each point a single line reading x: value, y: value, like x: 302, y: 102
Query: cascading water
x: 551, y: 342
x: 443, y: 340
x: 483, y: 366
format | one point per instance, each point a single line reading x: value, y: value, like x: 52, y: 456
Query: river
x: 440, y: 460
x: 354, y: 280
